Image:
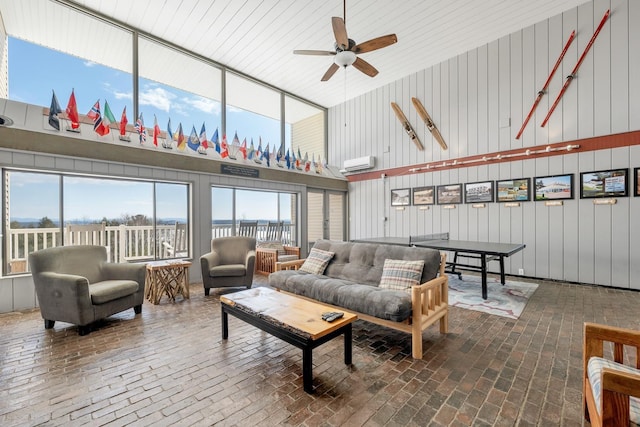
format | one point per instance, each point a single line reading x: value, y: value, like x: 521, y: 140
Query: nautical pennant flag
x: 287, y: 159
x: 266, y: 156
x: 252, y: 151
x: 259, y: 150
x: 293, y: 160
x: 123, y: 122
x: 224, y: 147
x: 142, y: 131
x: 243, y: 148
x: 95, y: 115
x: 168, y: 140
x: 203, y: 137
x: 72, y: 111
x: 181, y: 143
x: 156, y: 130
x: 215, y: 140
x: 54, y: 110
x: 193, y: 142
x: 307, y: 164
x: 107, y: 119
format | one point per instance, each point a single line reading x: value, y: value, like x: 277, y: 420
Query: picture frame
x: 513, y: 190
x: 450, y: 194
x: 604, y: 183
x: 553, y: 187
x: 478, y: 192
x: 422, y: 196
x: 401, y: 197
x: 636, y: 181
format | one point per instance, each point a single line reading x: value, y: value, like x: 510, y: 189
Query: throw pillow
x: 400, y: 275
x: 317, y: 261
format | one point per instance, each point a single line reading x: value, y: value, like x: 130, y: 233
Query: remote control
x: 330, y: 316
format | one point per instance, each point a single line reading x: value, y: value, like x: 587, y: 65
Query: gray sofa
x: 350, y: 283
x: 76, y: 284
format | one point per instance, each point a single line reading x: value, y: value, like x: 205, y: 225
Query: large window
x: 253, y: 112
x: 305, y: 129
x: 176, y: 86
x: 135, y: 220
x: 230, y: 206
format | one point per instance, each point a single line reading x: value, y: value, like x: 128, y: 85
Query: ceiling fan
x: 346, y: 50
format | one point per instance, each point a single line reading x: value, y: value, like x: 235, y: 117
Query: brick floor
x: 169, y: 366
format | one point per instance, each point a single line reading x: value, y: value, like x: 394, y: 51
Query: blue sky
x: 90, y: 82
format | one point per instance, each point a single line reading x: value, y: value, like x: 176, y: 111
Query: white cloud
x: 157, y: 97
x: 233, y: 109
x: 203, y: 104
x: 89, y: 64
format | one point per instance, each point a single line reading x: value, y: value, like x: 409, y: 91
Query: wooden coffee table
x: 292, y: 319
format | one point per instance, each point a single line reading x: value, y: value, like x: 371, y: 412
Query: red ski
x: 546, y: 84
x: 575, y: 69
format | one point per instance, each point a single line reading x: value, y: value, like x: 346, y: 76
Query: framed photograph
x: 636, y: 182
x: 514, y: 190
x: 606, y: 183
x: 554, y: 187
x: 478, y: 192
x: 400, y: 197
x: 449, y: 194
x: 424, y: 195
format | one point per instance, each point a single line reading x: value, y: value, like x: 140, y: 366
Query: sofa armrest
x: 289, y: 265
x: 60, y: 294
x: 250, y: 261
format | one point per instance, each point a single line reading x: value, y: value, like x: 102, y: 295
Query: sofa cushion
x: 285, y: 258
x: 594, y: 372
x: 381, y: 303
x: 228, y: 270
x: 109, y: 290
x: 400, y: 275
x: 317, y: 261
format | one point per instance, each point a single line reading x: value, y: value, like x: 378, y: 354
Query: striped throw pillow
x: 400, y: 275
x: 594, y: 372
x: 317, y: 261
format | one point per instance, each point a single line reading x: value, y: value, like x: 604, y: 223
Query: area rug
x: 507, y: 301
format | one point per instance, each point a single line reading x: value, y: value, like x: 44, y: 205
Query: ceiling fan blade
x: 330, y: 72
x: 365, y: 67
x: 340, y: 31
x: 314, y: 52
x: 374, y: 44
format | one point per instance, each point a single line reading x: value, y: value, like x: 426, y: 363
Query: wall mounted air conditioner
x: 361, y: 163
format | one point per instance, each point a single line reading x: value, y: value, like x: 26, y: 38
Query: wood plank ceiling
x: 257, y: 37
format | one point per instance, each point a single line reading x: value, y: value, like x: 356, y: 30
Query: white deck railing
x: 124, y: 242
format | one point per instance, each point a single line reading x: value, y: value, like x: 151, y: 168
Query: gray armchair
x: 230, y: 263
x: 76, y: 284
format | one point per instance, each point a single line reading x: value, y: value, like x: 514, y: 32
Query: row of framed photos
x: 598, y: 184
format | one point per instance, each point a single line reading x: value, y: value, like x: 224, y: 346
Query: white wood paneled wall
x: 479, y: 100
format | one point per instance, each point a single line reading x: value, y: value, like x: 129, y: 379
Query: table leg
x: 347, y: 344
x: 225, y: 324
x: 483, y: 262
x: 502, y: 279
x: 307, y: 369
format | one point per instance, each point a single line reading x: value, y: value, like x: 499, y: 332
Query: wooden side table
x: 170, y: 278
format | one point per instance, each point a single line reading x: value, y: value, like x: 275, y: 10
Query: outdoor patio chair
x: 248, y: 228
x: 611, y: 388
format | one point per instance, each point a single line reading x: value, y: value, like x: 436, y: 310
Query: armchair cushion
x: 109, y: 290
x: 594, y: 372
x: 229, y: 270
x: 278, y: 246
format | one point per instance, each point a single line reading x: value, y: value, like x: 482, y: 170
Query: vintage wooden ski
x: 542, y: 91
x: 406, y: 125
x: 422, y: 112
x: 571, y: 76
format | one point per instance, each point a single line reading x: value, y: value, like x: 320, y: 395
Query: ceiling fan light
x: 345, y: 58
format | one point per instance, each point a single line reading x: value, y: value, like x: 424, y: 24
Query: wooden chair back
x: 248, y: 228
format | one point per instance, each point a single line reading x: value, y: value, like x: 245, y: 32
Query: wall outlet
x: 521, y: 271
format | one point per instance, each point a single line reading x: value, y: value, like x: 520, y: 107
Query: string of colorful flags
x: 199, y: 143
